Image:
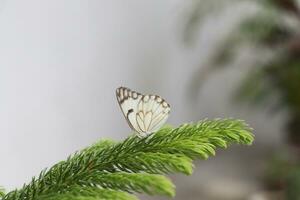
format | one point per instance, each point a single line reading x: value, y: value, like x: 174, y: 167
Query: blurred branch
x: 288, y: 5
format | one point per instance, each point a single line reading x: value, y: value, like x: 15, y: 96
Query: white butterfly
x: 145, y: 114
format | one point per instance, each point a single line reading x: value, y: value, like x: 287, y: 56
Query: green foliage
x: 277, y: 171
x: 266, y: 29
x: 2, y: 192
x: 111, y: 170
x: 283, y: 173
x: 287, y: 81
x: 89, y: 193
x: 263, y: 29
x: 274, y: 80
x: 256, y: 89
x: 293, y: 185
x: 273, y: 28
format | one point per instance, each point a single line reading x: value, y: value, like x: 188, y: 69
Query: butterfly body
x: 145, y: 114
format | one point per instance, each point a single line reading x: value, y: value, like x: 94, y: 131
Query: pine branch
x: 108, y: 170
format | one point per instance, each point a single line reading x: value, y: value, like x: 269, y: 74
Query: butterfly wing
x: 153, y: 111
x: 145, y: 114
x: 128, y: 101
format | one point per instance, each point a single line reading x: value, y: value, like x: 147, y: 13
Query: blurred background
x: 61, y: 61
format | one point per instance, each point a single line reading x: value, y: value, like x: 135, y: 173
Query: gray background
x: 61, y: 61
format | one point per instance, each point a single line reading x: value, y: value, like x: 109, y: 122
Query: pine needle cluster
x: 111, y: 170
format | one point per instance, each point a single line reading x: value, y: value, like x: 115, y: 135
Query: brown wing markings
x: 143, y: 105
x: 160, y: 104
x: 153, y: 123
x: 156, y: 116
x: 148, y: 103
x: 139, y: 123
x: 153, y: 114
x: 139, y: 105
x: 156, y: 119
x: 121, y: 99
x: 153, y: 103
x: 144, y: 122
x: 164, y: 111
x: 135, y: 95
x: 157, y: 107
x: 162, y: 116
x: 158, y: 125
x: 143, y: 119
x: 127, y: 119
x: 147, y: 128
x: 124, y: 94
x: 140, y: 108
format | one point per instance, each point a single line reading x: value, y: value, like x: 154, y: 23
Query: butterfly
x: 145, y: 114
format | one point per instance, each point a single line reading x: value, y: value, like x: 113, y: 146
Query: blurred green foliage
x: 276, y: 175
x: 293, y: 182
x: 273, y: 81
x: 275, y: 27
x: 2, y: 192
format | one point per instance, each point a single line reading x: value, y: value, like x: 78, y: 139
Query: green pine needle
x: 109, y: 170
x: 135, y: 182
x: 89, y: 193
